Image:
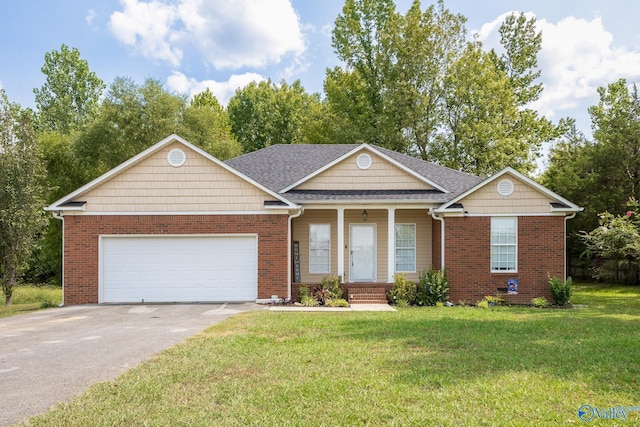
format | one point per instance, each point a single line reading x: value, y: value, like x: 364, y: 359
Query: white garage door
x: 178, y: 269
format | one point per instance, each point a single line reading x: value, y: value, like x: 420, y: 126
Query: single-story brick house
x: 175, y: 224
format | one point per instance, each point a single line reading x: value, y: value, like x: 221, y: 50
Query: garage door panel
x: 179, y: 269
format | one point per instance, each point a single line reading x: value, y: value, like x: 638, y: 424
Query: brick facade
x: 541, y: 251
x: 81, y: 234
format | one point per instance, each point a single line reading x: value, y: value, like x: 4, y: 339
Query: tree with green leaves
x: 426, y: 43
x: 616, y: 128
x: 414, y: 84
x: 615, y: 244
x: 265, y: 113
x: 604, y: 174
x: 206, y: 124
x: 71, y: 93
x: 67, y: 102
x: 478, y: 104
x: 22, y: 192
x: 489, y: 124
x: 361, y: 38
x: 131, y: 118
x: 519, y: 61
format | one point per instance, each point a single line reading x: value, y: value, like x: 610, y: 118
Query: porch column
x: 340, y: 243
x: 391, y: 244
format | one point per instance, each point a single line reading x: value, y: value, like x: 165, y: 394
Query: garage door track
x: 51, y: 355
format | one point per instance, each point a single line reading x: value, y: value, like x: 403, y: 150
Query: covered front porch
x: 365, y: 245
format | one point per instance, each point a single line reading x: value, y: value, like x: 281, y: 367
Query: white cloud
x: 577, y: 57
x: 223, y: 91
x: 91, y: 15
x: 233, y: 34
x: 227, y: 33
x: 147, y: 27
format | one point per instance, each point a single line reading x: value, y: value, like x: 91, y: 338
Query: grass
x: 459, y: 366
x: 30, y: 298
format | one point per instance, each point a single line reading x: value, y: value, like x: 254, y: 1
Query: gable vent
x: 505, y: 187
x: 176, y: 157
x: 364, y: 161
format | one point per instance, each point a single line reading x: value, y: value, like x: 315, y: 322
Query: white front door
x: 363, y: 253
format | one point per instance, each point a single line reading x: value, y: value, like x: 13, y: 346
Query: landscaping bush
x: 540, y: 302
x: 493, y: 301
x: 560, y: 290
x: 339, y: 302
x: 303, y: 291
x: 321, y: 295
x: 309, y: 300
x: 333, y: 285
x: 432, y: 288
x: 403, y: 291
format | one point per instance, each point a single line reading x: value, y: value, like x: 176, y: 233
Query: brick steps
x: 367, y: 296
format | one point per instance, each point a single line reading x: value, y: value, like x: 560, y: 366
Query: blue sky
x: 224, y: 44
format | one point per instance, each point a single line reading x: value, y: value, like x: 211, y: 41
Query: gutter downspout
x: 433, y: 215
x: 566, y: 218
x: 60, y: 216
x: 299, y: 211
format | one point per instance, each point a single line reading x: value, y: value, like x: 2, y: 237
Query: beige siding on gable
x: 524, y: 200
x: 155, y: 186
x: 346, y: 175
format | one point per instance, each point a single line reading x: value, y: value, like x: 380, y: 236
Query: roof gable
x: 534, y: 195
x: 282, y: 167
x: 148, y: 185
x: 345, y: 173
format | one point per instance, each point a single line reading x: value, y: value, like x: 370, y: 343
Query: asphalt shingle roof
x: 279, y: 166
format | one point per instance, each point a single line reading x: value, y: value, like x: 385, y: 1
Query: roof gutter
x: 566, y: 218
x: 299, y: 211
x: 59, y: 215
x: 438, y: 218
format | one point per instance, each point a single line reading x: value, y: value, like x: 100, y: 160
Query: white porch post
x: 340, y: 243
x: 391, y: 244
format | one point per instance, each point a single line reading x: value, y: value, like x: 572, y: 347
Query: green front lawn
x: 420, y: 366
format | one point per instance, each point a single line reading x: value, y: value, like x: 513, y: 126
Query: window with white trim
x: 405, y: 248
x: 319, y: 248
x: 504, y: 244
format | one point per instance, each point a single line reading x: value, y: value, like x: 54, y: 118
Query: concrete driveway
x: 49, y: 356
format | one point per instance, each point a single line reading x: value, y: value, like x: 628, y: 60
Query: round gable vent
x: 176, y: 157
x: 505, y: 187
x: 364, y: 161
